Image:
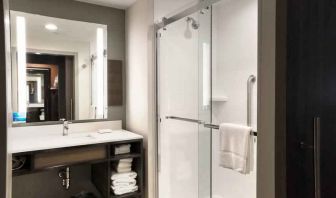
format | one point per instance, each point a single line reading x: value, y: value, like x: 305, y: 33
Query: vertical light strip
x: 206, y: 76
x: 21, y: 63
x: 39, y: 90
x: 100, y: 73
x: 105, y: 76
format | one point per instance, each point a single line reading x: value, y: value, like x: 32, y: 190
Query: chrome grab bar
x: 250, y: 81
x: 317, y: 146
x: 206, y: 125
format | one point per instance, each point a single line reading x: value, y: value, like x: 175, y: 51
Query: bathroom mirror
x: 61, y: 66
x: 59, y: 69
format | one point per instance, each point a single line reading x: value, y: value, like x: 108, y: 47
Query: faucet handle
x: 63, y: 119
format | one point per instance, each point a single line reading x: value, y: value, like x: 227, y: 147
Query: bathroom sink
x: 83, y: 135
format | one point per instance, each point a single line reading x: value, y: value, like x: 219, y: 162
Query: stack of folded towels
x: 122, y: 149
x: 123, y: 178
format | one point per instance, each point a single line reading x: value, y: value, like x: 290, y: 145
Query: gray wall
x: 140, y: 111
x: 271, y: 180
x: 74, y: 10
x: 266, y: 100
x: 3, y: 105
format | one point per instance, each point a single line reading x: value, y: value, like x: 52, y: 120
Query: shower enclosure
x: 190, y: 46
x: 184, y: 106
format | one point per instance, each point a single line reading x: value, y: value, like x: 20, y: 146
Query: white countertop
x: 53, y: 141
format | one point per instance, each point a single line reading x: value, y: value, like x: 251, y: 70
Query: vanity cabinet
x: 102, y: 158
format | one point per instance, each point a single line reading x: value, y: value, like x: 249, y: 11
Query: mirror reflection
x: 59, y: 69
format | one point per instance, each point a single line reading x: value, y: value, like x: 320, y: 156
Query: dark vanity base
x: 94, y: 160
x: 47, y: 184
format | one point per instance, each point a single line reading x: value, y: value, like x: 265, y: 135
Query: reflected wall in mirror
x: 59, y: 68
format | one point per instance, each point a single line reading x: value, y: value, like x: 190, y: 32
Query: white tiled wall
x: 234, y: 59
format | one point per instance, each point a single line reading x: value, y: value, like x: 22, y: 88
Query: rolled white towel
x: 125, y: 187
x: 122, y: 149
x: 128, y: 160
x: 117, y: 176
x: 124, y: 182
x: 124, y: 169
x: 124, y: 190
x: 124, y: 165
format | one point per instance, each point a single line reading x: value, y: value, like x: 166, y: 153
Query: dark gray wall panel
x: 3, y: 105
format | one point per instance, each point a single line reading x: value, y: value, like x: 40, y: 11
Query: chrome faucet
x: 65, y: 126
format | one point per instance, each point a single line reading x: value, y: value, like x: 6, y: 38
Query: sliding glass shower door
x: 184, y: 105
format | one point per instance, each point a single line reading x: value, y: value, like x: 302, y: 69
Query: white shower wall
x: 235, y: 36
x: 165, y: 8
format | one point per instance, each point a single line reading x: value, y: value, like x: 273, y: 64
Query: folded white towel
x: 123, y: 170
x: 122, y: 149
x: 128, y: 160
x: 236, y: 145
x: 124, y: 190
x: 125, y: 187
x: 124, y: 182
x: 117, y: 176
x: 124, y: 164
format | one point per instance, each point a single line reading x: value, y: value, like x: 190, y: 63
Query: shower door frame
x: 203, y: 4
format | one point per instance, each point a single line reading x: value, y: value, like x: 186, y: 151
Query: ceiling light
x: 51, y: 27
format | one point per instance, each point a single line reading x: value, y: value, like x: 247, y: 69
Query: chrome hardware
x: 64, y: 174
x: 65, y: 126
x: 317, y: 175
x: 206, y: 125
x: 250, y: 81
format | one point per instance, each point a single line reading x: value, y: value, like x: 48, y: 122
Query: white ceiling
x: 120, y: 4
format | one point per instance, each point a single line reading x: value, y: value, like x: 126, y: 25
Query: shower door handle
x: 317, y: 156
x: 185, y: 119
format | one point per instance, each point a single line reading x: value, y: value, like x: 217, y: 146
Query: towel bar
x: 213, y: 126
x: 206, y: 125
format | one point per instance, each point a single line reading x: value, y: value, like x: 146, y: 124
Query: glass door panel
x: 184, y: 92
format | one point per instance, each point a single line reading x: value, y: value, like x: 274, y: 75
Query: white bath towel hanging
x: 236, y: 148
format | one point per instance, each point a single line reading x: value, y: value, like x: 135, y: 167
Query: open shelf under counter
x: 136, y: 153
